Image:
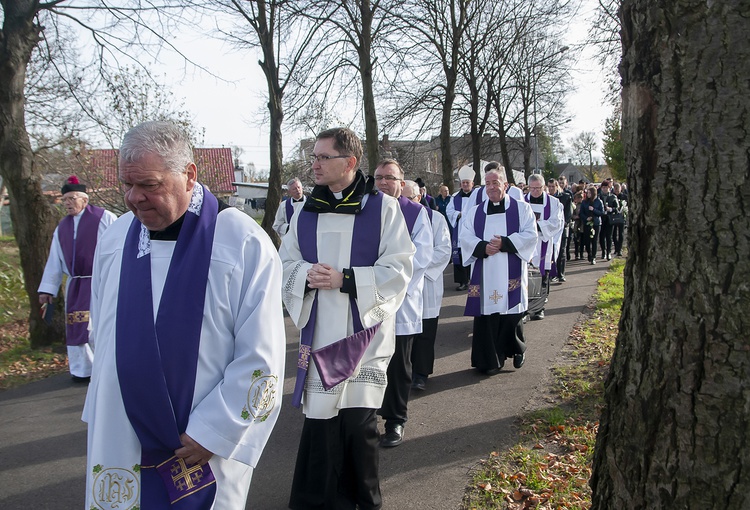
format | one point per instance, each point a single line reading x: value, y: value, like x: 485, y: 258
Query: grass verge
x: 19, y: 363
x: 551, y: 465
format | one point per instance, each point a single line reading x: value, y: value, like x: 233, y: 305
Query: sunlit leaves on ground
x: 550, y: 467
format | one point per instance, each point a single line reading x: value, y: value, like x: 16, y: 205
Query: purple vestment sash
x: 545, y: 244
x: 157, y: 360
x: 289, y: 209
x: 512, y: 225
x: 455, y: 246
x: 78, y: 252
x: 410, y: 210
x: 336, y: 362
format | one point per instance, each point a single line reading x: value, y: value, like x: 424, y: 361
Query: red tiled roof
x: 215, y: 168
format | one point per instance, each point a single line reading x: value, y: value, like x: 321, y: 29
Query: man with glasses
x: 550, y: 221
x: 347, y: 263
x: 389, y: 178
x: 72, y: 254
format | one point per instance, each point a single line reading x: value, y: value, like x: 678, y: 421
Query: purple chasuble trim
x: 336, y: 362
x: 512, y: 225
x: 289, y: 209
x: 455, y: 247
x: 78, y: 252
x: 157, y: 360
x: 410, y: 210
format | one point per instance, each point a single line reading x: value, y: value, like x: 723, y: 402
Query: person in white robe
x: 500, y: 236
x: 423, y: 347
x: 329, y: 297
x: 458, y: 205
x: 78, y: 251
x: 294, y: 201
x: 389, y: 178
x: 550, y: 219
x: 179, y: 420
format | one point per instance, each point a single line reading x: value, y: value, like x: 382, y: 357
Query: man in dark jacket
x: 566, y: 199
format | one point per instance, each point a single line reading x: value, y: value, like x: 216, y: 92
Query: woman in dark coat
x: 591, y: 211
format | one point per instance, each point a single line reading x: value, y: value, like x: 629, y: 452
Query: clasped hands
x: 323, y: 276
x: 192, y: 452
x: 494, y: 245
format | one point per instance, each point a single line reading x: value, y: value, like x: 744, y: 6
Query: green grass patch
x: 19, y: 363
x: 551, y: 465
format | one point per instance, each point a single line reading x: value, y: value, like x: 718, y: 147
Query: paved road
x: 459, y: 419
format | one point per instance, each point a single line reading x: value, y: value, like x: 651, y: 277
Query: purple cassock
x: 157, y: 359
x: 474, y: 299
x: 336, y: 362
x: 78, y: 252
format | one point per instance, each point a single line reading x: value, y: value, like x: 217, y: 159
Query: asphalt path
x: 460, y: 418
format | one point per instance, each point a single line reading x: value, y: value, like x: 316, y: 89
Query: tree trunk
x: 372, y: 141
x: 33, y: 221
x: 445, y: 129
x: 676, y: 427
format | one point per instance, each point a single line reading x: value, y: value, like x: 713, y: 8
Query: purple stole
x: 410, y: 210
x: 289, y: 209
x: 157, y: 360
x: 336, y: 362
x: 545, y: 244
x: 512, y: 225
x: 79, y: 259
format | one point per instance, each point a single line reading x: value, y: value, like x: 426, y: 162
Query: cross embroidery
x: 304, y: 355
x: 185, y: 477
x: 495, y: 296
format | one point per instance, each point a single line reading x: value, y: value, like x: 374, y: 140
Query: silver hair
x: 536, y: 178
x: 500, y: 172
x: 413, y: 187
x: 292, y: 181
x: 164, y: 139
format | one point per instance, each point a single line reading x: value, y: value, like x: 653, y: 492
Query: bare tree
x: 583, y: 146
x: 676, y: 425
x: 27, y: 24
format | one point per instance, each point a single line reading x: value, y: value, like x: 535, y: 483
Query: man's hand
x: 323, y: 276
x: 192, y: 452
x: 494, y: 246
x: 45, y: 298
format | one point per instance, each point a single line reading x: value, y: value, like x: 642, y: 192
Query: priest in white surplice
x: 188, y: 335
x: 550, y: 220
x: 500, y: 234
x: 289, y: 206
x: 72, y: 254
x: 347, y: 263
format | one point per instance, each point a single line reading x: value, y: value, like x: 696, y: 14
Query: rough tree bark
x: 33, y: 219
x: 676, y: 428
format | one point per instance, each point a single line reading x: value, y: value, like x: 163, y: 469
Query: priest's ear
x: 192, y: 175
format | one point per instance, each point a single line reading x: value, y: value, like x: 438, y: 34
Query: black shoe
x: 80, y: 380
x: 394, y: 436
x: 562, y: 279
x: 518, y: 360
x: 538, y: 316
x: 463, y: 286
x: 418, y: 384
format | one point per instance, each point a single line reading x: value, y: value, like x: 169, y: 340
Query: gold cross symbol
x: 495, y: 296
x: 185, y: 477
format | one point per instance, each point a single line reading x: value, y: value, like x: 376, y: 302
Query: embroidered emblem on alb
x: 473, y: 290
x: 115, y: 488
x: 79, y: 316
x: 261, y: 398
x: 495, y: 297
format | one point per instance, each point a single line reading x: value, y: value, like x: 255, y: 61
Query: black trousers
x: 618, y: 236
x: 423, y: 348
x: 496, y: 337
x: 562, y: 256
x: 461, y: 274
x: 337, y: 463
x: 591, y: 241
x: 396, y: 398
x: 605, y: 237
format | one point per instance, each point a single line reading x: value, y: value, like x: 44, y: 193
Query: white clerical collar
x: 338, y: 194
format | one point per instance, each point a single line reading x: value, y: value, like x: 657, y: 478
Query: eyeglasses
x: 536, y: 187
x: 387, y: 178
x: 322, y: 159
x: 68, y: 200
x: 412, y: 198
